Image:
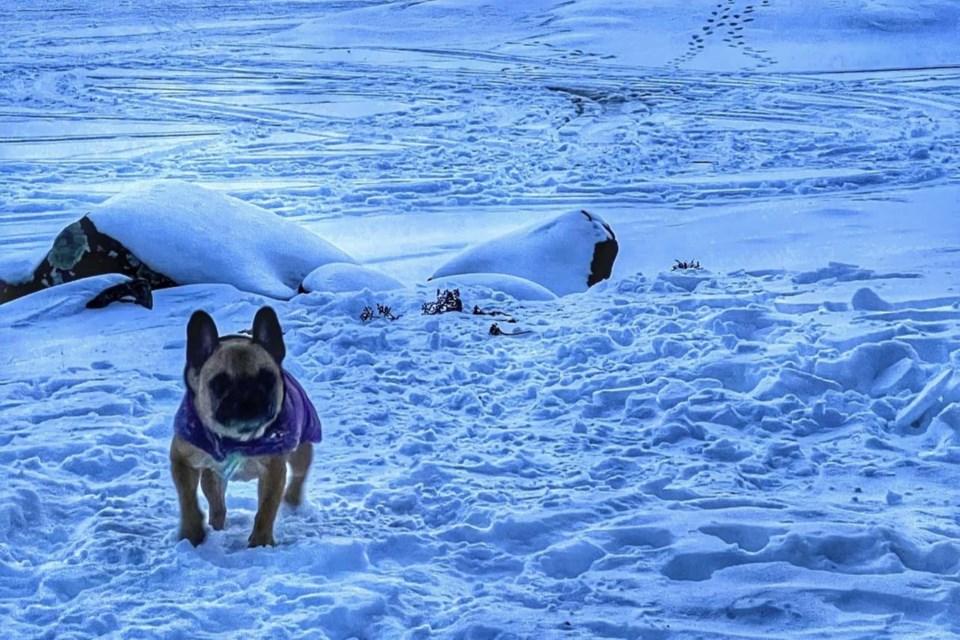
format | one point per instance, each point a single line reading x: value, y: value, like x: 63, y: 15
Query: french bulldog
x: 242, y: 417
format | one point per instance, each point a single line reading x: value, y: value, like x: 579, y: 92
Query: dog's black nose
x: 243, y: 407
x: 249, y: 408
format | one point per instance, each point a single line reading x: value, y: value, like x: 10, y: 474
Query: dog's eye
x: 266, y: 379
x: 219, y: 384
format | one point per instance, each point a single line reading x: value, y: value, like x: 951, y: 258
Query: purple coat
x: 298, y: 422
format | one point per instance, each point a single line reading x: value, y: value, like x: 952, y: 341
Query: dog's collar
x: 297, y: 422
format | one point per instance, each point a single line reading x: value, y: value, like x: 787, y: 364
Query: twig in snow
x: 383, y: 311
x: 681, y: 265
x: 495, y: 330
x: 446, y: 301
x: 477, y: 311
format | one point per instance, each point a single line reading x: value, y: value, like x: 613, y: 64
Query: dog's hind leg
x: 215, y: 489
x: 300, y: 461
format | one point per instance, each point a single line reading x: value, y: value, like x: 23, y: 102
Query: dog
x: 244, y: 417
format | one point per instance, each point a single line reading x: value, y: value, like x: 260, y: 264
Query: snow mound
x: 19, y: 268
x: 517, y: 288
x: 194, y: 235
x: 340, y: 277
x: 57, y: 302
x: 567, y: 254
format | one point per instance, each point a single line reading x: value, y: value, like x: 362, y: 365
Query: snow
x: 783, y: 35
x: 193, y: 235
x: 517, y: 288
x: 766, y: 447
x: 866, y: 299
x: 64, y: 301
x: 594, y: 473
x: 556, y: 254
x: 926, y: 400
x: 338, y: 277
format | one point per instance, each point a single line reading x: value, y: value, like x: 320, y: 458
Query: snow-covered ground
x: 768, y: 448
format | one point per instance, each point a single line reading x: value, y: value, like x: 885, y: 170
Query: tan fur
x: 186, y: 478
x: 192, y: 467
x: 234, y: 357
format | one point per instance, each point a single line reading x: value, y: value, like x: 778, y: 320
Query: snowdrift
x: 194, y: 235
x: 565, y: 255
x: 174, y: 233
x: 59, y: 302
x: 340, y: 277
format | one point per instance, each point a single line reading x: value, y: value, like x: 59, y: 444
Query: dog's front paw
x: 191, y: 526
x: 195, y: 535
x: 294, y: 495
x: 261, y: 539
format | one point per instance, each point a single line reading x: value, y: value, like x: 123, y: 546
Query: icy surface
x: 672, y: 454
x: 193, y: 235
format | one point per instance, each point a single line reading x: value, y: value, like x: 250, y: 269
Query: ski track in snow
x: 219, y: 98
x: 709, y: 455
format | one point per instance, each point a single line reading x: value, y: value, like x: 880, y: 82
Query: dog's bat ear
x: 268, y: 334
x: 202, y: 339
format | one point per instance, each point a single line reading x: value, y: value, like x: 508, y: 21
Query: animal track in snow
x: 726, y: 23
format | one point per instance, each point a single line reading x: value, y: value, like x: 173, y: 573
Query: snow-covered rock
x: 567, y: 254
x: 517, y: 288
x: 343, y: 277
x: 194, y: 235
